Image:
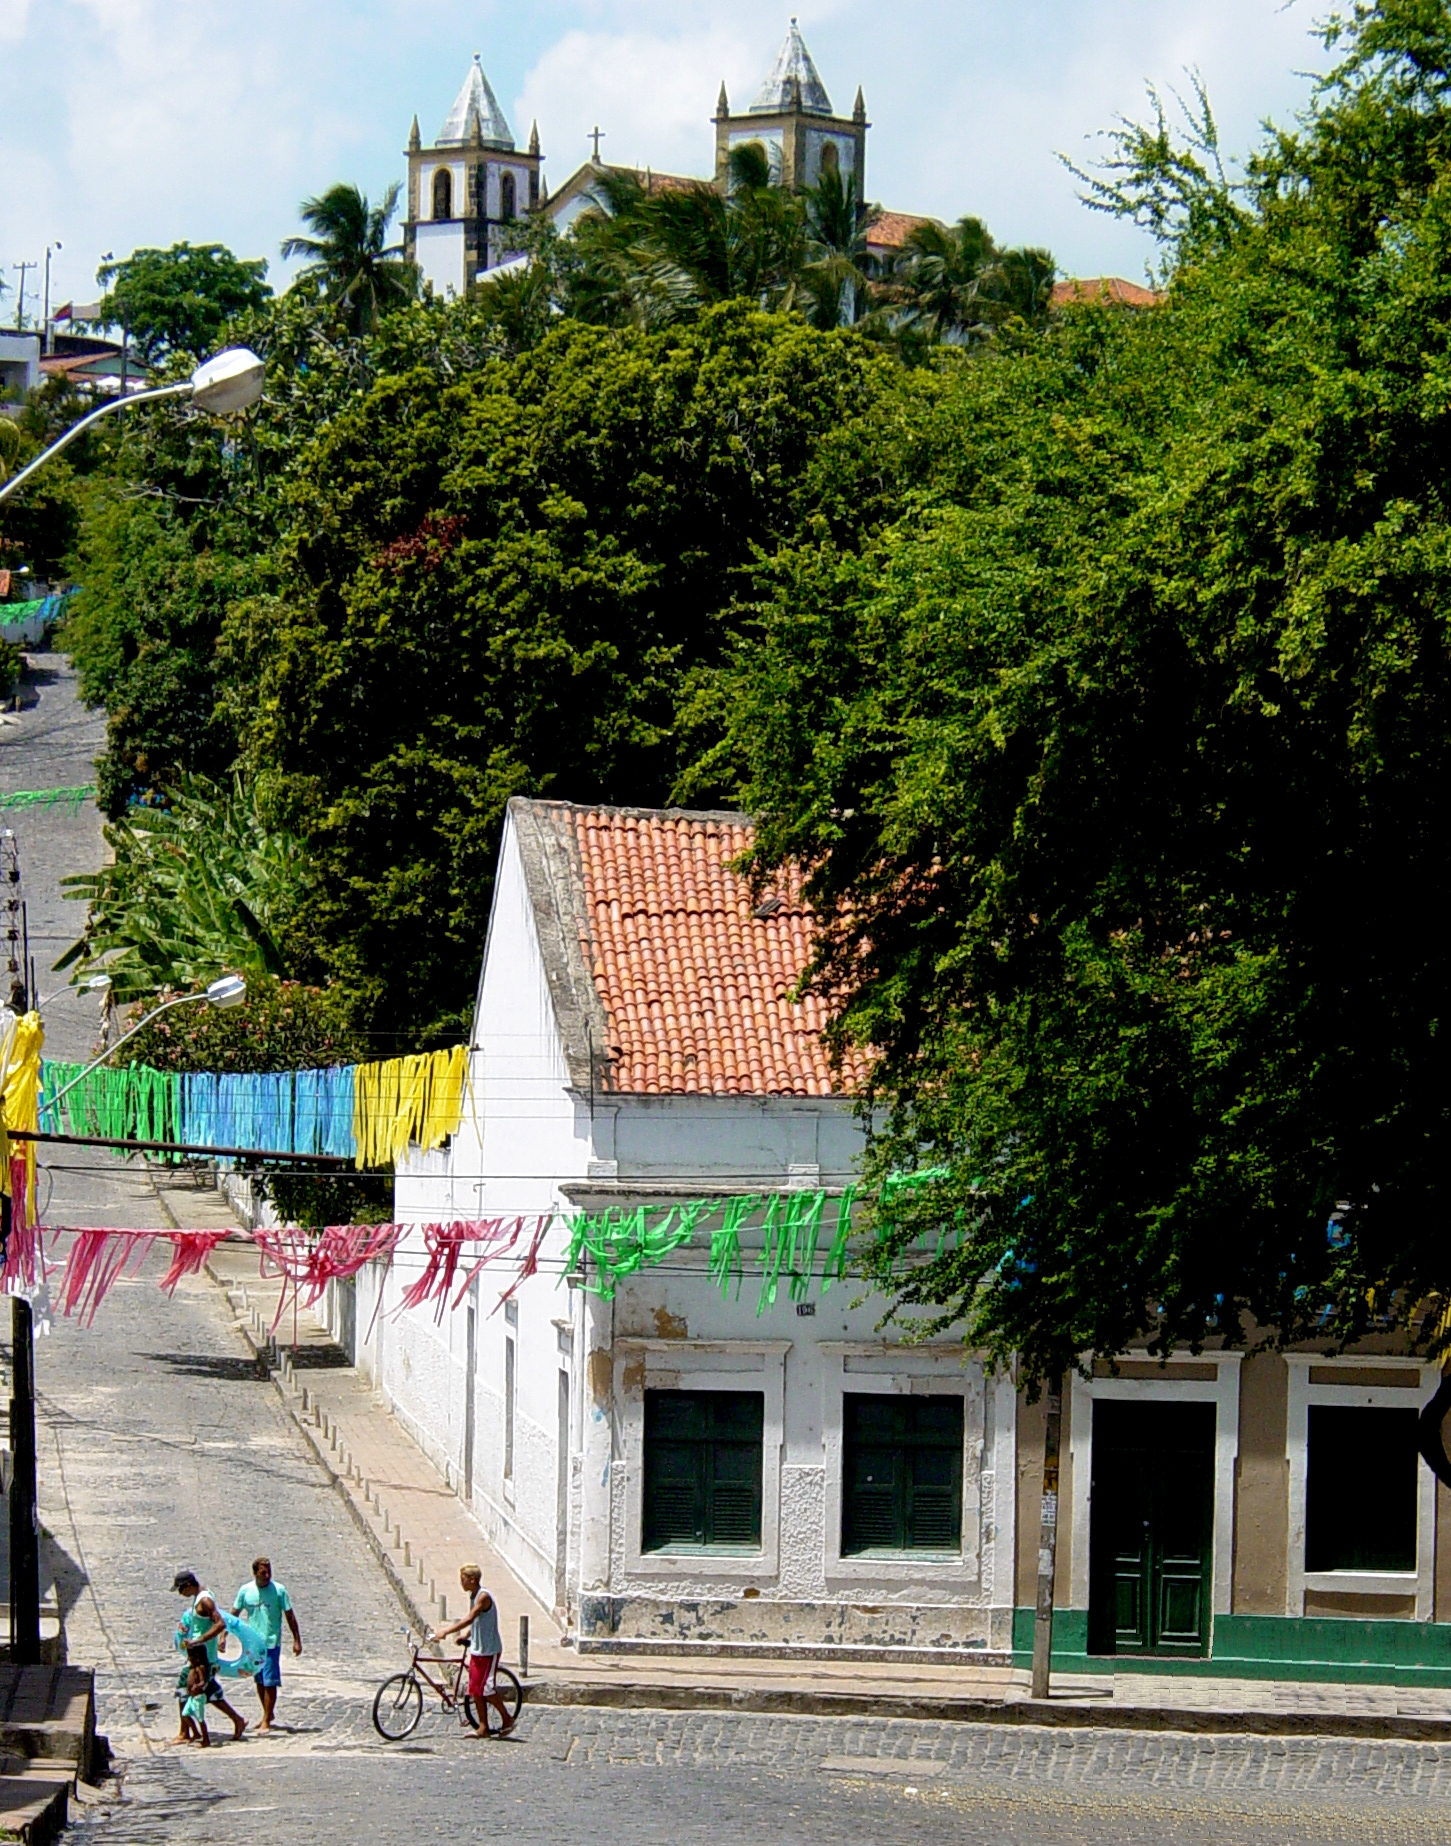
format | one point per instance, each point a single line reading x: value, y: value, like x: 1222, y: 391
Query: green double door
x: 1151, y: 1528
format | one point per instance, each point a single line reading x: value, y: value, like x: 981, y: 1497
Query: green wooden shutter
x: 901, y: 1473
x: 702, y: 1477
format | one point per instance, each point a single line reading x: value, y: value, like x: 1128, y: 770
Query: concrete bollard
x: 407, y: 1555
x: 442, y: 1609
x: 523, y: 1647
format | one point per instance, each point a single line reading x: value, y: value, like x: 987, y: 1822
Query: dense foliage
x: 284, y: 1025
x: 1118, y: 762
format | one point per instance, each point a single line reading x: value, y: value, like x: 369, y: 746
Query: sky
x: 144, y: 122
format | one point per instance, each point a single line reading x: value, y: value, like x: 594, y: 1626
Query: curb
x: 1054, y: 1714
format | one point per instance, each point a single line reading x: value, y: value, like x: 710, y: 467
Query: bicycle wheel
x: 509, y: 1690
x: 398, y: 1707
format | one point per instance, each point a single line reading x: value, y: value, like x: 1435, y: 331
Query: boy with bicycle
x: 485, y: 1649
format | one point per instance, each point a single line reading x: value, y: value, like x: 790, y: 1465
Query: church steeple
x: 414, y: 139
x: 534, y: 137
x: 792, y: 119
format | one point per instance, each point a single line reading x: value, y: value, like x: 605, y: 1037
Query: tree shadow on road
x: 222, y: 1367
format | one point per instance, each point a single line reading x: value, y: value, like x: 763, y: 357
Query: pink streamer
x: 25, y: 1252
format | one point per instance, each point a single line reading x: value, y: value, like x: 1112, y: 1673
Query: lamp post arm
x: 96, y: 1063
x: 116, y: 403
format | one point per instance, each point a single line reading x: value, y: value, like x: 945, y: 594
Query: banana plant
x: 194, y: 887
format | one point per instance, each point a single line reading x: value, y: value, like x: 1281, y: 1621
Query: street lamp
x: 230, y: 381
x: 226, y: 990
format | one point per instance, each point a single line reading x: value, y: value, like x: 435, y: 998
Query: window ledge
x: 702, y: 1551
x: 1364, y: 1582
x: 907, y: 1554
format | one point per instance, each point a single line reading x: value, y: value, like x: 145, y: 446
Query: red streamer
x: 25, y: 1252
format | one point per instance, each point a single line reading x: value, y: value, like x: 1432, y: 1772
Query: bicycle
x: 398, y: 1705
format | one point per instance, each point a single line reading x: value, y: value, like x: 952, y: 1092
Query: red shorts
x: 481, y: 1674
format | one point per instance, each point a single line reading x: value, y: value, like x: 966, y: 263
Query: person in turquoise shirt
x: 264, y: 1605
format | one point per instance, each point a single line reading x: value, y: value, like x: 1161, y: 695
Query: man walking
x: 263, y: 1605
x: 485, y: 1649
x: 201, y: 1626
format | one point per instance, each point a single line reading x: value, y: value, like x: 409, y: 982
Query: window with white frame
x: 1360, y: 1488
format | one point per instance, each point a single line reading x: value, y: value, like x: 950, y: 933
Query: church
x: 472, y: 192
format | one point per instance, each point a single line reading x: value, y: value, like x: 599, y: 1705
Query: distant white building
x: 674, y: 1465
x: 19, y: 366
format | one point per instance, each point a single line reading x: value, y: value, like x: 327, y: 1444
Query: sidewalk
x: 420, y: 1531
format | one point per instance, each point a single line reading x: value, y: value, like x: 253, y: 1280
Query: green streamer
x: 834, y: 1269
x: 72, y: 798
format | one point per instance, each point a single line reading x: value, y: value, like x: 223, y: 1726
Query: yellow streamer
x: 20, y: 1096
x: 404, y: 1100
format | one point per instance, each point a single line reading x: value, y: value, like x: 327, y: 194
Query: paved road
x: 53, y: 743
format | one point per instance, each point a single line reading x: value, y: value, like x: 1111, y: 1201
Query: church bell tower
x: 471, y: 193
x: 793, y: 121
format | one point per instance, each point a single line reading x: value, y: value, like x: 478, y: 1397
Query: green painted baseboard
x: 1352, y: 1652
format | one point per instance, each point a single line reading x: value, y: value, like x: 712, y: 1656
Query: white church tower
x: 470, y: 194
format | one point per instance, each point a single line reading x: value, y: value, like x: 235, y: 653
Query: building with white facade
x: 469, y: 194
x: 679, y: 1462
x: 685, y: 1431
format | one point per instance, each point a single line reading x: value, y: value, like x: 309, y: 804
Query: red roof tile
x: 696, y: 987
x: 890, y: 230
x: 1104, y: 288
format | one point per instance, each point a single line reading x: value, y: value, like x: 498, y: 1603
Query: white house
x: 670, y: 1464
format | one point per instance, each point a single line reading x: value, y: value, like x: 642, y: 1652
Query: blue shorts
x: 271, y: 1674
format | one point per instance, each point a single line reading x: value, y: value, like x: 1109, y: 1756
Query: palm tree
x: 835, y: 277
x: 656, y: 255
x: 955, y: 285
x: 349, y: 253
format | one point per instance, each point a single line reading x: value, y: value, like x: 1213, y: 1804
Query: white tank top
x: 484, y: 1634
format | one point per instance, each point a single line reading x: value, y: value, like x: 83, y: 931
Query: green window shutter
x: 901, y: 1473
x: 702, y: 1468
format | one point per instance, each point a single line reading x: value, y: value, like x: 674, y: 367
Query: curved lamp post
x: 231, y: 381
x: 226, y: 990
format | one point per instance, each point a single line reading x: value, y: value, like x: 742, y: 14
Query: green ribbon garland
x: 73, y: 798
x: 621, y: 1243
x: 130, y: 1102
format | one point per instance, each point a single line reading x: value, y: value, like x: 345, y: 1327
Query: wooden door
x: 1151, y: 1528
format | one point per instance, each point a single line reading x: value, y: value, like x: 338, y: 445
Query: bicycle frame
x: 448, y: 1693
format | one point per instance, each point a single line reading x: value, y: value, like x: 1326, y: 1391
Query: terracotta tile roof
x: 890, y: 230
x: 1104, y: 288
x: 695, y: 986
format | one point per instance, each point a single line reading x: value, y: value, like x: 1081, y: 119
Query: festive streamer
x: 403, y: 1100
x: 620, y: 1243
x: 21, y: 1041
x: 24, y: 1264
x: 72, y: 798
x: 370, y: 1112
x: 445, y: 1243
x: 340, y: 1251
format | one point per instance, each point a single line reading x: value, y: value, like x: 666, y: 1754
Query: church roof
x: 792, y: 74
x: 475, y: 99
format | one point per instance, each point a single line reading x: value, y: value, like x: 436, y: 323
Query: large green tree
x: 179, y: 300
x: 501, y: 583
x: 1119, y: 762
